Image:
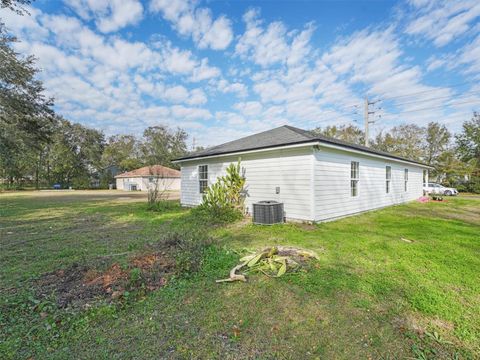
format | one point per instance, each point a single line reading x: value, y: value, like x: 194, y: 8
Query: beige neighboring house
x: 148, y: 177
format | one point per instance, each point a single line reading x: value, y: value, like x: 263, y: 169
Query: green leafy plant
x: 202, y: 216
x: 163, y: 205
x: 227, y: 192
x: 135, y: 275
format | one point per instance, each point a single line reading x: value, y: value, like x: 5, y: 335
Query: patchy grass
x: 372, y: 294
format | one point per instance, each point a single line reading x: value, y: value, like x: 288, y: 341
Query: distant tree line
x: 455, y: 159
x: 81, y: 157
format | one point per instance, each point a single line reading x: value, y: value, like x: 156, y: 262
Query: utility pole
x: 366, y: 115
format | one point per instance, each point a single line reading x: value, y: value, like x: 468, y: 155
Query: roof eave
x: 141, y: 176
x: 300, y: 144
x: 372, y: 153
x: 247, y: 151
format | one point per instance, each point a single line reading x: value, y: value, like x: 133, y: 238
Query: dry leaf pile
x: 273, y: 261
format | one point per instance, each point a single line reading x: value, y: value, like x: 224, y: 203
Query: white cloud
x: 300, y: 46
x: 190, y: 113
x: 470, y: 56
x: 107, y: 82
x: 204, y: 71
x: 270, y: 91
x: 229, y: 118
x: 176, y: 94
x: 380, y: 67
x: 179, y: 61
x: 237, y: 88
x: 26, y: 25
x: 443, y: 21
x: 109, y: 15
x: 198, y: 23
x: 197, y: 97
x: 272, y: 44
x: 249, y: 108
x: 465, y: 59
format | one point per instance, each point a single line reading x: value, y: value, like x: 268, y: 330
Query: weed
x: 164, y: 206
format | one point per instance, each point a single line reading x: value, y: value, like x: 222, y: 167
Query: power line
x: 436, y: 98
x: 357, y: 106
x: 338, y: 114
x: 332, y: 110
x: 336, y: 117
x: 425, y: 91
x: 436, y: 107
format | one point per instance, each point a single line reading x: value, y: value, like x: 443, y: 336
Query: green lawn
x: 372, y: 294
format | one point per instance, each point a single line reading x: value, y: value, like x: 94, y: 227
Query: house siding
x: 289, y: 169
x: 332, y: 183
x: 314, y: 182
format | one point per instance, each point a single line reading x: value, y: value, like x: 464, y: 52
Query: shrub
x: 215, y: 216
x: 461, y: 187
x: 79, y: 183
x: 472, y: 186
x: 226, y: 196
x: 157, y: 192
x: 188, y: 249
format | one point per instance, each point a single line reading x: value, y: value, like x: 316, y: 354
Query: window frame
x: 354, y: 178
x: 202, y: 178
x: 388, y: 179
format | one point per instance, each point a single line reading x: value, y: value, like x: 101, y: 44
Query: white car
x: 433, y: 188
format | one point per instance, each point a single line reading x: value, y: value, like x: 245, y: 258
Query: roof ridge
x: 153, y: 170
x: 303, y: 132
x: 298, y: 131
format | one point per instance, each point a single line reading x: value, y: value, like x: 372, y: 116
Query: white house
x: 147, y: 177
x: 316, y: 177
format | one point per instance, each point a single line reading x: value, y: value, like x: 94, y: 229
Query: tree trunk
x: 37, y: 170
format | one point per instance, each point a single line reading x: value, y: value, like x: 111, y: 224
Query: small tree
x: 158, y: 189
x: 227, y: 192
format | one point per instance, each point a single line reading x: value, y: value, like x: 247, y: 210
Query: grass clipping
x: 273, y: 261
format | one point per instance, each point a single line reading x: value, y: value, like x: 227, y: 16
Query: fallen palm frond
x: 273, y: 261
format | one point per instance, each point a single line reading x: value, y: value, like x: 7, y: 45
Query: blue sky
x: 226, y: 69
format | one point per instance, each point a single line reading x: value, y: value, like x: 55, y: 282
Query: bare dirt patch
x: 80, y: 285
x: 409, y: 323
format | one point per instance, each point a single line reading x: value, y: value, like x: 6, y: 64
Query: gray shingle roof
x: 281, y: 136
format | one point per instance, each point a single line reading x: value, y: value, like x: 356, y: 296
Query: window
x: 405, y: 179
x: 425, y: 176
x: 202, y: 178
x: 388, y: 178
x: 150, y: 179
x: 354, y: 177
